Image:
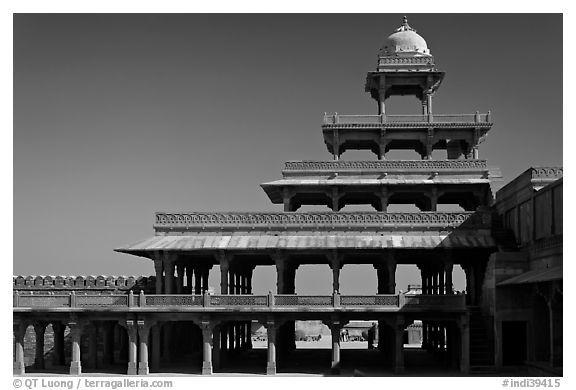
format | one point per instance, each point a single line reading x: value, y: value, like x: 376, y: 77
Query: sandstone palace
x: 508, y: 244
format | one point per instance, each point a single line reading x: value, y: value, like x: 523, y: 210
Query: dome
x: 404, y: 41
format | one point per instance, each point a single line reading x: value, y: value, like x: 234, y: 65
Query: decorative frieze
x: 383, y: 165
x: 200, y: 221
x: 547, y: 172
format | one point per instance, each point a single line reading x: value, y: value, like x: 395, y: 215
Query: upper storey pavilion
x: 405, y: 67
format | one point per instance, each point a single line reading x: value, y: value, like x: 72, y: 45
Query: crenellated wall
x: 89, y: 283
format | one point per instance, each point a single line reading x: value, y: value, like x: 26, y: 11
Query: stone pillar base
x: 132, y: 369
x: 143, y: 369
x: 206, y: 368
x: 271, y: 369
x: 18, y: 368
x: 335, y: 368
x: 399, y: 370
x: 75, y: 368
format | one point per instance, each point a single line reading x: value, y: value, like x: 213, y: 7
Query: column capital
x: 39, y: 326
x: 464, y: 321
x: 335, y: 259
x: 19, y: 328
x: 207, y: 325
x: 224, y: 259
x: 144, y: 326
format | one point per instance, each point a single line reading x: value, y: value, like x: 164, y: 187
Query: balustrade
x: 207, y: 301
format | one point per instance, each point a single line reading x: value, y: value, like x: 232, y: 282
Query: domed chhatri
x: 405, y: 42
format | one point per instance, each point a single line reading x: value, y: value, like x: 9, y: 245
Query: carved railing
x: 385, y: 165
x: 200, y: 221
x: 303, y: 300
x: 477, y: 118
x: 371, y: 300
x: 423, y: 60
x: 238, y: 302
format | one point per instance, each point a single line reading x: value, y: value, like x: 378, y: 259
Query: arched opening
x: 407, y: 278
x: 402, y: 208
x: 449, y: 207
x: 405, y: 153
x: 264, y: 280
x: 403, y: 105
x: 359, y: 155
x: 313, y: 279
x: 358, y: 279
x: 175, y: 347
x: 359, y: 207
x: 305, y: 208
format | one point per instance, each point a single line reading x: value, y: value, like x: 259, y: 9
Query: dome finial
x: 405, y: 26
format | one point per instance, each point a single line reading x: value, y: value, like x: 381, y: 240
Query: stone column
x: 75, y: 334
x: 205, y: 274
x: 249, y: 334
x: 224, y: 269
x: 169, y: 277
x: 249, y: 280
x: 391, y: 273
x: 271, y: 365
x: 441, y: 290
x: 237, y: 283
x: 464, y: 325
x: 40, y: 330
x: 189, y: 274
x: 216, y: 340
x: 19, y: 331
x: 93, y: 346
x: 471, y: 287
x: 448, y: 268
x: 280, y: 260
x: 108, y: 332
x: 131, y: 330
x: 399, y: 345
x: 197, y: 281
x: 335, y: 328
x: 143, y: 333
x: 155, y: 361
x: 434, y: 199
x: 58, y: 329
x: 166, y: 347
x: 180, y: 278
x: 287, y: 199
x: 237, y: 335
x: 159, y: 268
x: 207, y: 328
x: 335, y: 276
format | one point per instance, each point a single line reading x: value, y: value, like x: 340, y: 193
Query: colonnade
x: 382, y: 197
x: 137, y: 346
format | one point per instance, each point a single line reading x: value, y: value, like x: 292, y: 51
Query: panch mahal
x: 509, y: 246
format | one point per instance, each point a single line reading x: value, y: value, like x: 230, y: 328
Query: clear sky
x: 119, y: 116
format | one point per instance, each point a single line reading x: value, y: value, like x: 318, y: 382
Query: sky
x: 119, y: 116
